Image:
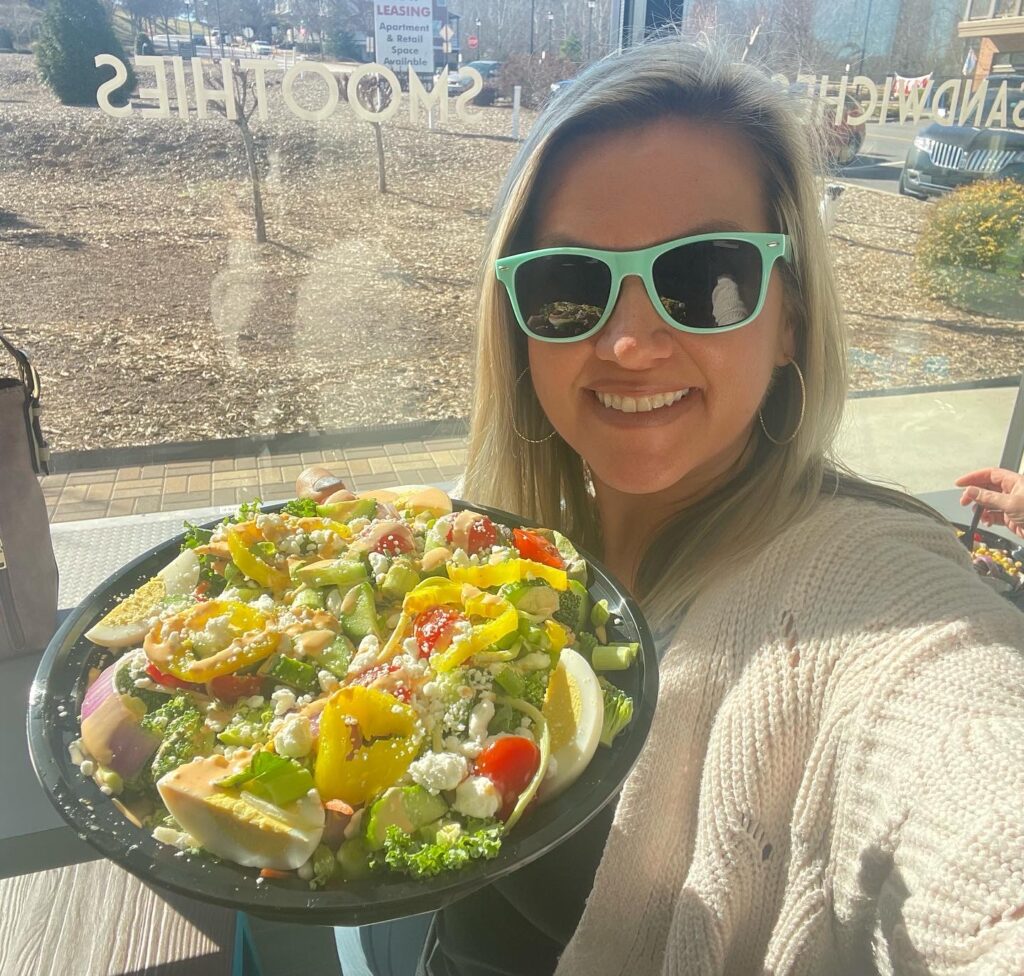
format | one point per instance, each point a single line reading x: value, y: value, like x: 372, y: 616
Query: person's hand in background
x: 1001, y: 495
x: 321, y: 485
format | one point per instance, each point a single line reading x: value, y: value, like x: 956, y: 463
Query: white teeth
x: 642, y: 404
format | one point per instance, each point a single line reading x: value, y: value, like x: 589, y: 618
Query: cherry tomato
x: 532, y: 545
x: 392, y: 545
x: 434, y: 629
x: 509, y: 763
x: 370, y: 675
x: 230, y: 687
x: 169, y: 680
x: 481, y: 535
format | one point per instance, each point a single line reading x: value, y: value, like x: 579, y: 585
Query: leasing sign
x: 404, y: 36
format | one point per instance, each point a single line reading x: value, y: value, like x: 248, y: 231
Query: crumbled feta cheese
x: 436, y: 771
x: 254, y: 701
x: 499, y: 554
x: 477, y: 797
x: 378, y: 563
x: 358, y: 524
x: 369, y: 644
x: 295, y: 737
x: 284, y: 700
x: 328, y: 682
x: 264, y: 603
x: 410, y: 646
x: 480, y: 718
x: 88, y: 767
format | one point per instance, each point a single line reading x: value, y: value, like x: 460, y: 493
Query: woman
x: 833, y: 780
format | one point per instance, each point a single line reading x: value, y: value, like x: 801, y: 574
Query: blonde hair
x: 779, y: 484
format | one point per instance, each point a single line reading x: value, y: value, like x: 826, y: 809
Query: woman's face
x: 633, y: 189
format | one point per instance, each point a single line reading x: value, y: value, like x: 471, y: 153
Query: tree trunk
x: 254, y: 177
x: 382, y: 182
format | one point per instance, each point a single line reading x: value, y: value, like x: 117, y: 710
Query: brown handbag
x: 28, y: 571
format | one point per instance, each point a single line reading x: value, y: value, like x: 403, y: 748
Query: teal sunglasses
x: 702, y: 284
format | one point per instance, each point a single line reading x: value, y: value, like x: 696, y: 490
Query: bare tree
x: 244, y: 95
x: 374, y: 93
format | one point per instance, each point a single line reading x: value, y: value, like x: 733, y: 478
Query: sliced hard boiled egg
x: 129, y: 622
x: 574, y: 710
x: 237, y: 826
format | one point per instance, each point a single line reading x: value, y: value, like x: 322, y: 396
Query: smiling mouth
x: 643, y: 404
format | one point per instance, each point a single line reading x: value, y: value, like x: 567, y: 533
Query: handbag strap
x: 30, y: 380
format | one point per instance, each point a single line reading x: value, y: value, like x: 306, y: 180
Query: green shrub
x: 6, y: 41
x: 971, y: 249
x: 143, y: 44
x: 341, y: 44
x: 73, y: 33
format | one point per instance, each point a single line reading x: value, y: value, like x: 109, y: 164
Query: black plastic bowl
x: 53, y: 723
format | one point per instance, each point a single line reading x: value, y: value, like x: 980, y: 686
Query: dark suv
x: 944, y: 157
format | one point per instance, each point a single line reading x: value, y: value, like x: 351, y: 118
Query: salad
x: 379, y: 684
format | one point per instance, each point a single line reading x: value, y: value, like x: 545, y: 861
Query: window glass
x: 251, y: 236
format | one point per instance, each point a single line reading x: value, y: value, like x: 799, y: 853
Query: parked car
x: 489, y: 72
x: 261, y: 48
x: 944, y: 157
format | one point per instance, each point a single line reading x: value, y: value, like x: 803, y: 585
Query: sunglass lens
x: 709, y: 284
x: 562, y: 296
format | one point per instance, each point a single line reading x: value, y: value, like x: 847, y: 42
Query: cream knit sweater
x: 834, y: 780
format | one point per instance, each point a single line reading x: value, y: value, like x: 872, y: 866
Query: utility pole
x: 551, y: 25
x: 590, y: 23
x: 533, y: 18
x: 864, y: 43
x: 220, y: 29
x: 188, y: 17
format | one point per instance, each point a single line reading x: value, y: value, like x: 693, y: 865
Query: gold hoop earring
x: 803, y: 404
x: 515, y: 397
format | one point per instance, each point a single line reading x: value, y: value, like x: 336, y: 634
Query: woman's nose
x: 635, y: 336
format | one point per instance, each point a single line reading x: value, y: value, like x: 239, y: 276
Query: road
x: 881, y: 158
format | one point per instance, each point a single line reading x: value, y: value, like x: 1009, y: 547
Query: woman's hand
x: 320, y: 484
x: 1001, y: 495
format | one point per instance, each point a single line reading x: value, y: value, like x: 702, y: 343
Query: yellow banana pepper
x: 510, y: 571
x: 240, y: 538
x: 556, y: 634
x: 368, y: 738
x: 249, y: 642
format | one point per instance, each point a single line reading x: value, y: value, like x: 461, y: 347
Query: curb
x: 340, y: 439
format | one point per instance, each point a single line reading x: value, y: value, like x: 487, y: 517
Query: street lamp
x: 533, y: 20
x: 188, y: 17
x: 590, y: 23
x: 479, y: 39
x: 220, y: 29
x: 551, y: 25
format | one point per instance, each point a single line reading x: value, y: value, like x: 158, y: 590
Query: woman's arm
x: 929, y: 856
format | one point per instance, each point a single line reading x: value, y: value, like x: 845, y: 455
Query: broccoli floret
x: 618, y: 711
x: 585, y: 644
x: 248, y: 725
x: 536, y: 687
x: 180, y: 724
x: 125, y: 679
x: 300, y: 507
x: 246, y: 511
x: 453, y: 848
x: 573, y: 606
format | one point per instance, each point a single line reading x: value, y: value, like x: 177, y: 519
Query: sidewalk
x: 203, y: 483
x: 920, y: 441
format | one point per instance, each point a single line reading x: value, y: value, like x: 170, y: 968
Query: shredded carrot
x: 274, y: 873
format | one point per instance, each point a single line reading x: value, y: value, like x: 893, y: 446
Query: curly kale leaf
x: 453, y: 848
x: 300, y: 507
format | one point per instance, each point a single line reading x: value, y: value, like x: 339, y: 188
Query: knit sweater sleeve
x: 928, y: 853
